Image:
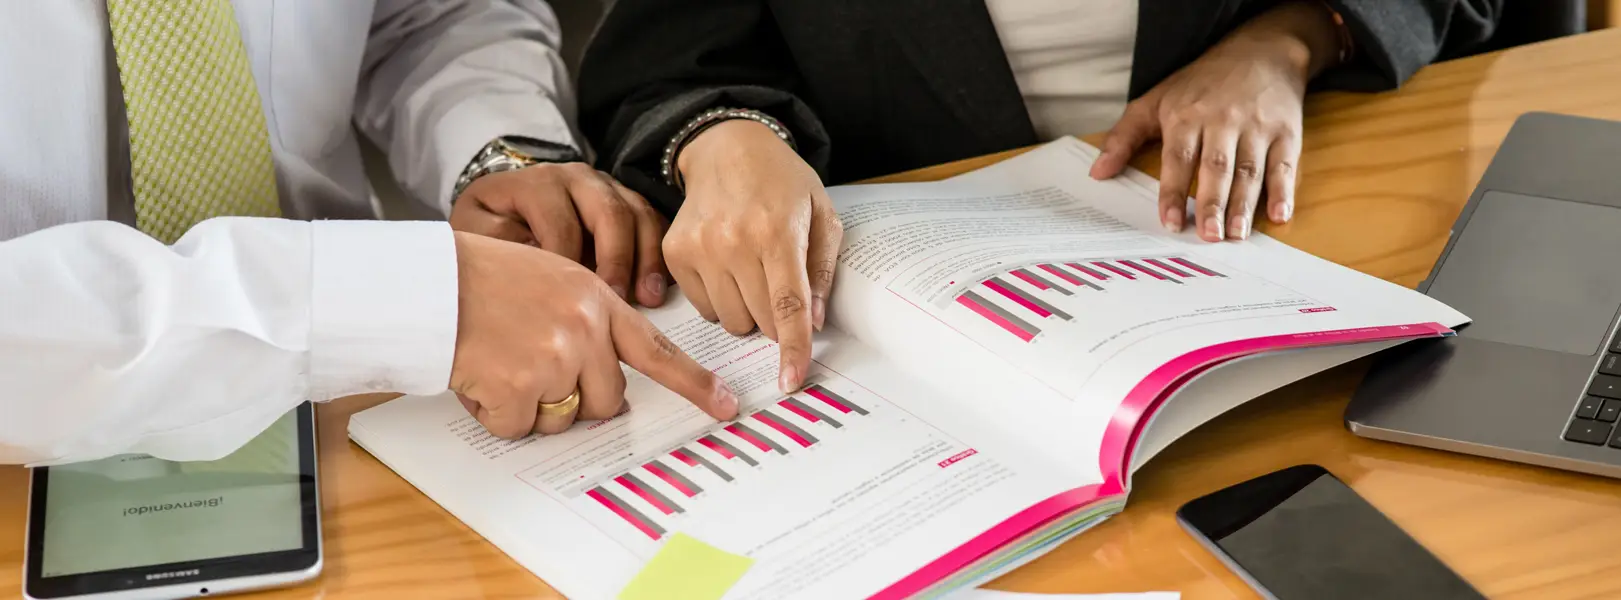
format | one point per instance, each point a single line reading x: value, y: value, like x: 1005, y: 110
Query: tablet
x: 135, y: 527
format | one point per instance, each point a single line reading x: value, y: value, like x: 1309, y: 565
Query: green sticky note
x: 687, y: 569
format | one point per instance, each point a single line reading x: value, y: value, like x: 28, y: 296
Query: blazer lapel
x: 954, y: 46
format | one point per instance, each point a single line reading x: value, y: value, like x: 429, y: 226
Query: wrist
x: 700, y: 125
x: 1304, y: 34
x: 736, y: 135
x: 508, y: 153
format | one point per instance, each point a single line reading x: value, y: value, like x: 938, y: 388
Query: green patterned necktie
x: 197, y: 139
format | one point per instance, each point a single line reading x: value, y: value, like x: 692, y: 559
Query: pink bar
x: 772, y: 423
x: 1089, y: 271
x: 1031, y: 280
x: 994, y: 318
x: 651, y: 499
x: 1189, y: 264
x: 1014, y: 296
x: 798, y: 411
x: 764, y: 447
x: 719, y: 449
x: 675, y: 483
x: 623, y: 515
x: 1113, y: 269
x: 1061, y: 274
x: 682, y: 456
x: 827, y: 400
x: 1146, y: 271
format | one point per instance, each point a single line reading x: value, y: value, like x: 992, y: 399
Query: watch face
x: 539, y: 149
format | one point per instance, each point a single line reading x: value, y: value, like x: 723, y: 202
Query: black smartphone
x: 1302, y: 534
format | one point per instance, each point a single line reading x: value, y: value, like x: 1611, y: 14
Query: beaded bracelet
x: 705, y: 120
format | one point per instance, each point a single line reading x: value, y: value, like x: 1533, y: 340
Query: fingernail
x: 1288, y: 211
x: 818, y: 312
x: 726, y: 403
x: 654, y: 284
x: 1173, y: 220
x: 788, y: 382
x: 1212, y: 228
x: 619, y: 290
x: 1240, y: 227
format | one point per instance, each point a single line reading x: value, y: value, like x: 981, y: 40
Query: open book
x: 1004, y: 350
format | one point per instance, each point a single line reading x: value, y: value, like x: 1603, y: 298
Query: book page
x: 815, y: 486
x: 1072, y: 282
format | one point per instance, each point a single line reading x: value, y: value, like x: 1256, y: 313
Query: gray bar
x: 1033, y: 300
x: 653, y: 492
x: 630, y: 509
x: 1088, y: 270
x: 763, y: 439
x: 857, y: 407
x: 1167, y: 267
x: 705, y: 462
x: 1155, y: 274
x: 816, y: 413
x: 791, y: 427
x: 733, y: 449
x: 1044, y: 281
x: 1196, y: 266
x: 665, y: 469
x: 1001, y: 312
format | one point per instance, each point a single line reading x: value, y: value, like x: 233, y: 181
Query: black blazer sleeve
x: 1395, y: 38
x: 655, y: 64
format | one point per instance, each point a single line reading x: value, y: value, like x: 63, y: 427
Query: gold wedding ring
x: 566, y: 407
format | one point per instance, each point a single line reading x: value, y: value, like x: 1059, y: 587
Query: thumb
x: 1139, y: 124
x: 646, y: 349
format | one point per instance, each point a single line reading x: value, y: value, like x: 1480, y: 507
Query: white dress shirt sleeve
x: 441, y: 78
x: 111, y: 342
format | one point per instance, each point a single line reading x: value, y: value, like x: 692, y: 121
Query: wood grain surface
x: 1382, y: 179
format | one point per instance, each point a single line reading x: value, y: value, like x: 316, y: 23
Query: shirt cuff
x: 383, y: 307
x: 465, y: 129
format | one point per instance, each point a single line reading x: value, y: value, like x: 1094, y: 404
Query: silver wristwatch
x: 512, y: 152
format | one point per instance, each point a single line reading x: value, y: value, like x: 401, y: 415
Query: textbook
x: 1003, y: 350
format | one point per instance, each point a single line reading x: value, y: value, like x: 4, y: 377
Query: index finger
x: 789, y: 286
x: 646, y: 349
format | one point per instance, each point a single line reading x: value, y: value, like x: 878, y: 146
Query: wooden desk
x: 1382, y: 179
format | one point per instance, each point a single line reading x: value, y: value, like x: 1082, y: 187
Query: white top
x: 1071, y: 58
x: 111, y: 342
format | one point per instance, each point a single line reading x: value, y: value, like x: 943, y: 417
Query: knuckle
x: 821, y: 275
x: 1283, y: 168
x: 1247, y: 169
x: 787, y: 303
x: 1184, y: 153
x: 1218, y: 160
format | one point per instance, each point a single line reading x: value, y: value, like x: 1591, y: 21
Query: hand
x: 757, y: 240
x: 1233, y: 117
x: 545, y: 204
x: 534, y: 327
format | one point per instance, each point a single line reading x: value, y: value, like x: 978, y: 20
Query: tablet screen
x: 136, y: 511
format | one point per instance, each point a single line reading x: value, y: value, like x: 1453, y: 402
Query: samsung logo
x: 173, y: 574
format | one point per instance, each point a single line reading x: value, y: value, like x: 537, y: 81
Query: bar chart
x: 652, y: 496
x: 1022, y: 300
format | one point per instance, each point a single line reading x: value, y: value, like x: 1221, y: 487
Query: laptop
x: 1535, y: 261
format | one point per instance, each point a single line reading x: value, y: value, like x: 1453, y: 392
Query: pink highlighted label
x: 1318, y: 309
x: 958, y: 457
